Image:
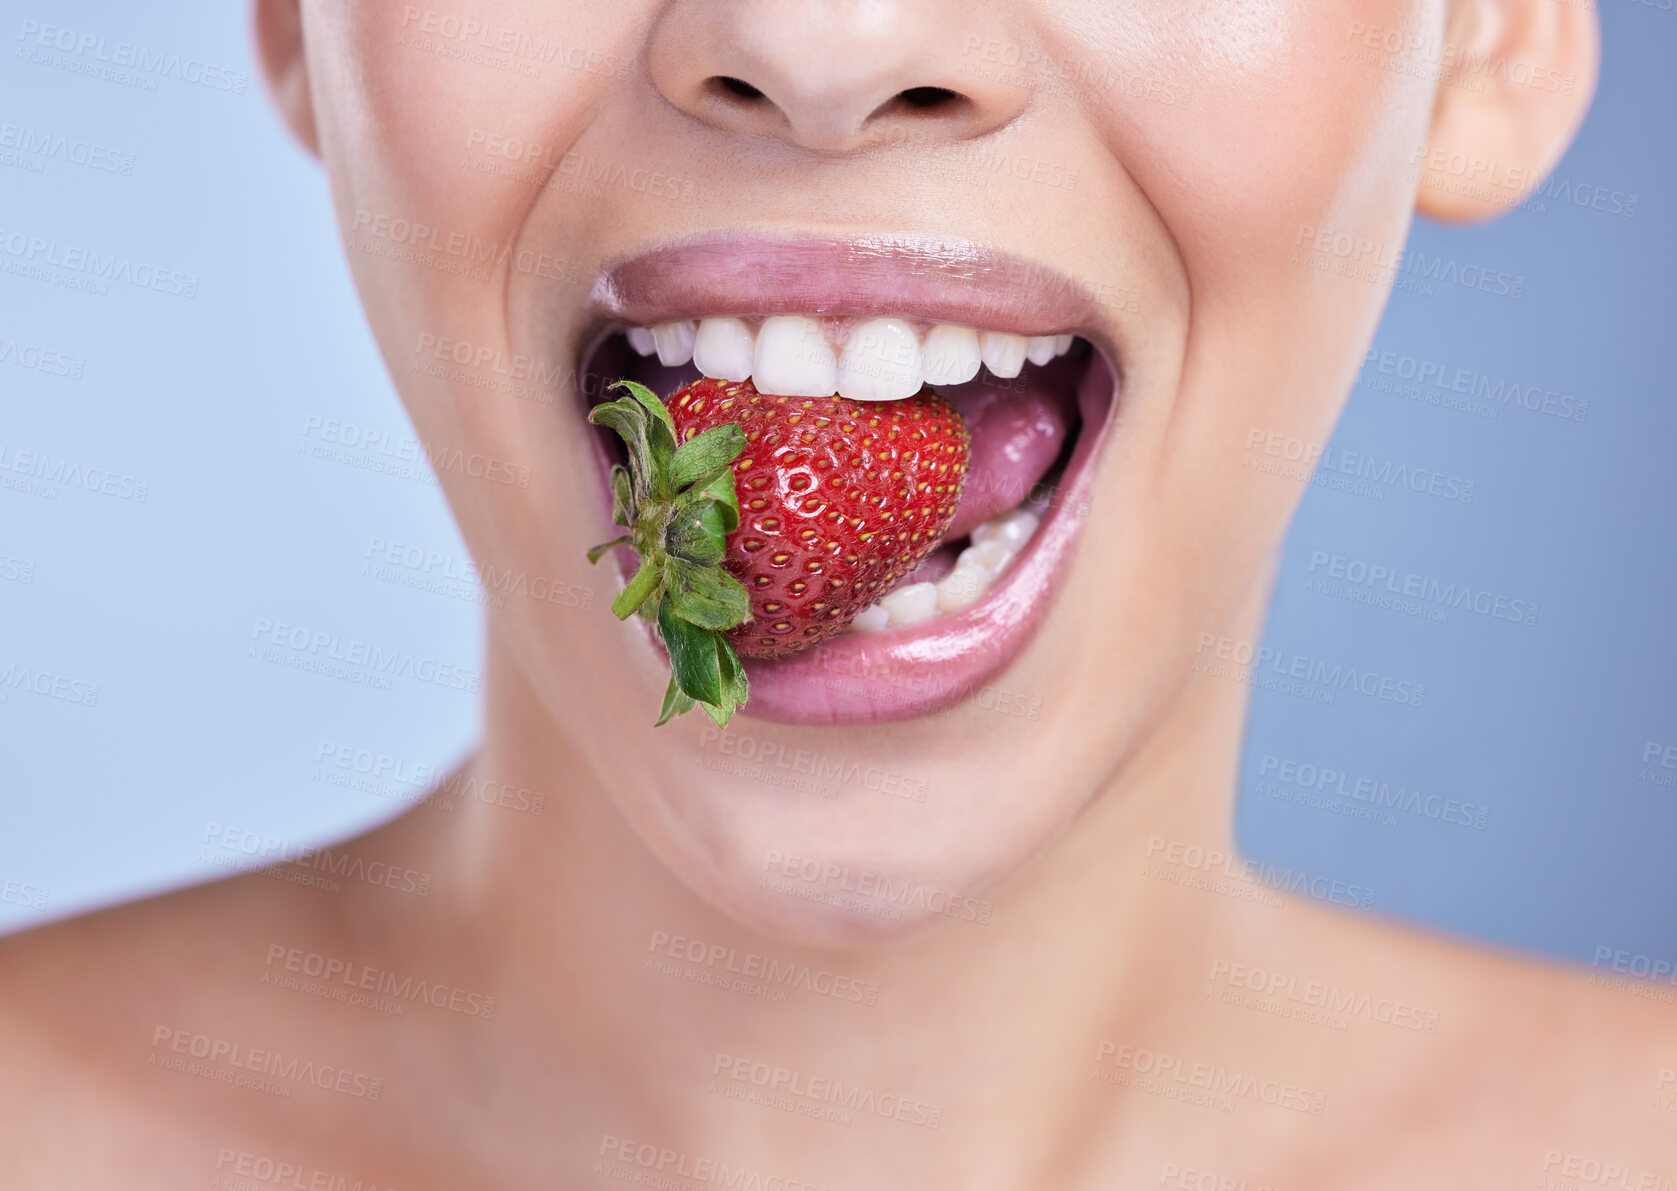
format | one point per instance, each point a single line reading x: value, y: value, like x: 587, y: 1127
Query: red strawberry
x: 764, y: 524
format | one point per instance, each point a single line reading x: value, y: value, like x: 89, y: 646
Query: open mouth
x: 1014, y: 348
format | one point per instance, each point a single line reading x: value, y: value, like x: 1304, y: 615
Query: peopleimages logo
x: 1643, y: 967
x: 660, y: 1166
x: 386, y: 663
x: 1368, y: 259
x: 48, y: 685
x: 431, y: 22
x: 817, y: 765
x: 45, y: 360
x: 1326, y: 780
x: 1583, y: 1172
x: 774, y: 1079
x: 1313, y: 994
x: 88, y: 268
x: 22, y: 893
x: 46, y: 145
x: 1410, y: 585
x: 153, y: 64
x: 1494, y: 392
x: 227, y: 1053
x: 1300, y: 460
x: 829, y: 879
x: 1244, y: 661
x: 43, y: 474
x: 1210, y: 1078
x: 1195, y: 858
x: 360, y: 977
x: 754, y: 965
x: 289, y: 1176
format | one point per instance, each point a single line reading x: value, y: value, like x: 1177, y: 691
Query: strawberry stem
x: 678, y: 503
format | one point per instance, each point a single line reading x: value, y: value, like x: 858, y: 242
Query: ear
x: 1515, y: 79
x: 279, y: 44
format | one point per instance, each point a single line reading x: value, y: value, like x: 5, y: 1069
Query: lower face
x: 1130, y: 325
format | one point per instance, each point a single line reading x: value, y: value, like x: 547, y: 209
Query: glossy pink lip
x: 901, y: 673
x: 936, y: 280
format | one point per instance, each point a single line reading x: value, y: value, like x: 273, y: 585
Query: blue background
x: 1540, y: 727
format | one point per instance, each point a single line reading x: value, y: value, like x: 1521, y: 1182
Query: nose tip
x: 827, y: 77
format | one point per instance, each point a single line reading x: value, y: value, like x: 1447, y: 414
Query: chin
x: 836, y: 864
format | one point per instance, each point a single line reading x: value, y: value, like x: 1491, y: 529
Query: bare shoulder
x: 1551, y: 1075
x: 108, y: 1022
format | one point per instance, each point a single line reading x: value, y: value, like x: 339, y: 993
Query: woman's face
x: 1183, y: 185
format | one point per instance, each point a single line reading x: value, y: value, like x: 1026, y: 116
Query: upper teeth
x: 880, y: 359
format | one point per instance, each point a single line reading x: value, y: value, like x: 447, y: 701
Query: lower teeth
x: 995, y: 543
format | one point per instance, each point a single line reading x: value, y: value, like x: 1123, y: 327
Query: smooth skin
x: 1205, y: 138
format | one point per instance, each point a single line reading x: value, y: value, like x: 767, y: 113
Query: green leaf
x: 676, y: 702
x: 692, y: 655
x: 599, y: 551
x: 734, y: 682
x: 719, y: 487
x: 641, y: 586
x: 623, y: 503
x: 661, y: 445
x: 702, y: 455
x: 628, y: 420
x: 719, y: 713
x: 696, y: 534
x: 707, y: 596
x: 649, y: 401
x: 717, y: 519
x: 660, y: 437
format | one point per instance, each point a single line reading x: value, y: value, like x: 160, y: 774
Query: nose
x: 833, y: 76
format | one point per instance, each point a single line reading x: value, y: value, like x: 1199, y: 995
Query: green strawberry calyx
x: 678, y: 504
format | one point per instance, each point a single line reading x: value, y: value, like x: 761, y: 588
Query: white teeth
x: 951, y: 355
x: 1003, y: 354
x: 990, y: 556
x: 872, y: 619
x: 961, y: 588
x: 1012, y: 529
x: 723, y: 349
x: 881, y: 362
x: 1039, y: 349
x: 793, y: 358
x: 884, y: 359
x: 911, y: 603
x: 674, y: 342
x: 995, y: 544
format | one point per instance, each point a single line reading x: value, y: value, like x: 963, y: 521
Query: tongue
x: 1017, y: 434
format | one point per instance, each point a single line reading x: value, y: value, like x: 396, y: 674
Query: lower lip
x: 899, y: 674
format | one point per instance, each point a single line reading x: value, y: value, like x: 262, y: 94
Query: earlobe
x: 1515, y: 80
x: 278, y: 26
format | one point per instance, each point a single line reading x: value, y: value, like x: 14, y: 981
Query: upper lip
x: 936, y: 280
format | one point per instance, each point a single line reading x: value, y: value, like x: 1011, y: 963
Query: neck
x: 626, y: 978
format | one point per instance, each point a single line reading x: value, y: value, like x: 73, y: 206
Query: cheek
x: 1242, y: 120
x: 1290, y: 133
x: 435, y: 121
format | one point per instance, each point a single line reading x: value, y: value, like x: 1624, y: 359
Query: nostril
x: 928, y: 97
x: 738, y: 88
x: 920, y: 102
